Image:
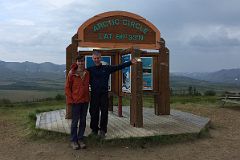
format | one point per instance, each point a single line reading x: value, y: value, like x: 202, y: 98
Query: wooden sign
x: 118, y: 29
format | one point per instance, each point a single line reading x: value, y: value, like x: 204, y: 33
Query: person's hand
x: 134, y: 61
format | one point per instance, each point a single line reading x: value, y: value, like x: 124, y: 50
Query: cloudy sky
x: 202, y: 35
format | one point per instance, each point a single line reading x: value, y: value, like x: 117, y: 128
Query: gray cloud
x: 195, y: 31
x: 219, y: 37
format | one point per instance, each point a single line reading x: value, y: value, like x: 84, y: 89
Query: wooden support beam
x: 110, y: 101
x: 71, y: 52
x: 156, y: 75
x: 136, y: 104
x: 120, y: 106
x: 164, y: 89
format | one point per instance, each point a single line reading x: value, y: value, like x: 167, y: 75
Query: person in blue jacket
x: 99, y: 76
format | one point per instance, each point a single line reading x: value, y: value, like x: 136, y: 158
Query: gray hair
x: 96, y: 53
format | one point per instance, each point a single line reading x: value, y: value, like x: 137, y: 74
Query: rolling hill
x: 29, y: 75
x: 49, y: 76
x: 228, y: 76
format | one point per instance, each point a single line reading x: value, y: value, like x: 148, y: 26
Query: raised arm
x: 121, y: 66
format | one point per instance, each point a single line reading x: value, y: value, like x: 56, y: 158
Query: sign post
x: 136, y: 102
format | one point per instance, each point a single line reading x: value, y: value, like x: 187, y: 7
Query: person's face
x: 81, y: 63
x: 96, y: 59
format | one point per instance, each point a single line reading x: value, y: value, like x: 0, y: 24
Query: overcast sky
x: 202, y: 35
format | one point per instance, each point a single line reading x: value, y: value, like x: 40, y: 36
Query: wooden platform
x: 231, y: 97
x: 119, y: 127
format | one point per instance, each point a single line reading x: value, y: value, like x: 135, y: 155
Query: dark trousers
x: 79, y: 113
x: 99, y: 103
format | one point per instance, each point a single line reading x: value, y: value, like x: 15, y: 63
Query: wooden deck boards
x: 119, y: 127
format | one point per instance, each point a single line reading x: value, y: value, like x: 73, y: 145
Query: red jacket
x: 77, y: 88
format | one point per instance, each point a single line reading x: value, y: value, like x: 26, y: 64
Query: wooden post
x: 71, y: 52
x: 163, y: 98
x: 156, y: 104
x: 120, y: 106
x: 110, y: 102
x: 156, y: 84
x: 119, y: 87
x: 167, y: 83
x: 136, y: 104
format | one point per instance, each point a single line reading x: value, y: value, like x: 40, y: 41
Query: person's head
x: 96, y: 57
x: 80, y: 61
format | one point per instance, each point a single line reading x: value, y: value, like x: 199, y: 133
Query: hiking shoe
x: 82, y: 145
x: 102, y: 134
x: 75, y: 145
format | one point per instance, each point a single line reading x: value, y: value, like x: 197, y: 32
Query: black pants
x: 99, y: 103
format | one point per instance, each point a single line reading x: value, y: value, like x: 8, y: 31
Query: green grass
x: 148, y: 101
x: 28, y: 95
x: 23, y: 115
x: 194, y: 99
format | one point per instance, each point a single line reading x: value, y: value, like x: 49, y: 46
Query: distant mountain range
x: 45, y: 76
x: 30, y: 67
x: 228, y: 76
x: 29, y: 75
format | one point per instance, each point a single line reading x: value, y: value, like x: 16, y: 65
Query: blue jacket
x: 99, y: 76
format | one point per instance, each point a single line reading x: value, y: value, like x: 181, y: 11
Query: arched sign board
x: 118, y: 29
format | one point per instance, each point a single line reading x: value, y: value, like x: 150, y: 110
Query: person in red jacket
x: 77, y: 94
